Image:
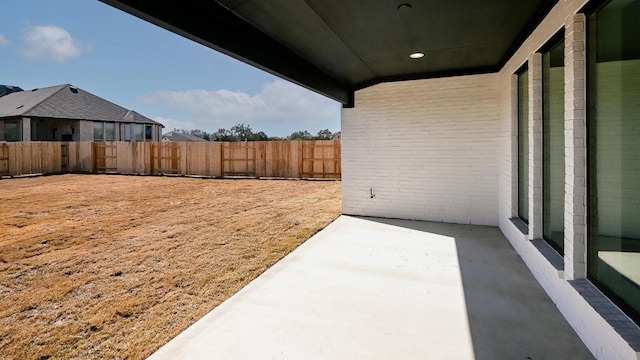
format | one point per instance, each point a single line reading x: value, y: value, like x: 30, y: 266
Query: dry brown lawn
x: 101, y: 266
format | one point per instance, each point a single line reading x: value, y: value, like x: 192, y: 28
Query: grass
x: 96, y: 266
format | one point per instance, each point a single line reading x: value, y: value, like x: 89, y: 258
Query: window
x: 98, y: 131
x: 139, y: 132
x: 553, y: 143
x: 110, y: 131
x: 127, y: 132
x: 523, y: 145
x: 147, y: 133
x: 614, y: 153
x: 12, y: 130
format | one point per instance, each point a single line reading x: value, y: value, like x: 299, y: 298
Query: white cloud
x: 50, y: 43
x: 3, y: 40
x: 170, y: 124
x: 279, y: 109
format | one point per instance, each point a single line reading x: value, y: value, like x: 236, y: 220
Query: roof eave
x: 237, y: 38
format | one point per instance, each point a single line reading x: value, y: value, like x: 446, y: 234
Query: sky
x: 145, y: 68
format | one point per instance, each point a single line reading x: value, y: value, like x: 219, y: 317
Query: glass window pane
x: 139, y: 132
x: 110, y: 131
x: 98, y: 131
x: 523, y: 145
x: 614, y: 153
x: 12, y: 130
x: 553, y: 145
x: 127, y: 132
x: 147, y: 132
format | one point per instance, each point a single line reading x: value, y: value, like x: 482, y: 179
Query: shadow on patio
x: 388, y: 289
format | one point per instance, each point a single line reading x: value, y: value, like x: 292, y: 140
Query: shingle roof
x: 66, y: 102
x: 176, y: 136
x: 133, y: 116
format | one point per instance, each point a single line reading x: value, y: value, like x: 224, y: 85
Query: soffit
x: 337, y: 47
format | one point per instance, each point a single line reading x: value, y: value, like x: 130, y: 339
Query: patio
x: 388, y: 289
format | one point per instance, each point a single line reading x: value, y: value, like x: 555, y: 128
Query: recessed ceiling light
x: 416, y: 55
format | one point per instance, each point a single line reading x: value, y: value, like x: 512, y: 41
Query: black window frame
x: 518, y: 73
x: 554, y: 41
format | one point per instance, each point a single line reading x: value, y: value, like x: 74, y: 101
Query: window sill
x: 553, y: 257
x: 619, y: 321
x: 521, y: 225
x: 556, y: 260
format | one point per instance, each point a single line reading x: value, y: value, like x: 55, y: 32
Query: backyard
x: 109, y: 266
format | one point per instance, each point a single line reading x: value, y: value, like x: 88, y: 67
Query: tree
x: 259, y: 136
x: 223, y: 135
x: 199, y: 133
x: 325, y: 134
x: 242, y: 132
x: 300, y: 135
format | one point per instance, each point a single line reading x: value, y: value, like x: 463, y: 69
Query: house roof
x: 177, y: 136
x: 66, y: 102
x: 337, y: 47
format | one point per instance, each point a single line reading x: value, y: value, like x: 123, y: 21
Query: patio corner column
x: 535, y: 146
x: 575, y: 218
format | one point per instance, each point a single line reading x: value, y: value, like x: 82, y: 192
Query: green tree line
x: 242, y: 132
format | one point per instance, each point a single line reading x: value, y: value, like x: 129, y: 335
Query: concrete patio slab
x: 367, y: 288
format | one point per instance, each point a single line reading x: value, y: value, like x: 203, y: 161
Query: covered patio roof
x: 338, y: 47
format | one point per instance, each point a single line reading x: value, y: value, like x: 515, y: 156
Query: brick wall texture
x: 426, y: 149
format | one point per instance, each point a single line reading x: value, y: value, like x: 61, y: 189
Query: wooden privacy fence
x: 278, y: 159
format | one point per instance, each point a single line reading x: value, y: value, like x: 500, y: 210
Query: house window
x: 523, y: 145
x: 614, y: 153
x: 148, y: 135
x: 553, y: 143
x: 98, y: 131
x: 110, y: 131
x: 139, y: 132
x: 12, y: 130
x: 127, y: 132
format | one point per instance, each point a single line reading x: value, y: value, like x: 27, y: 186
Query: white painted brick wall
x: 508, y: 144
x: 575, y: 139
x: 427, y: 148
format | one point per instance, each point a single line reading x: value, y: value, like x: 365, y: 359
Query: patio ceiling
x: 337, y: 47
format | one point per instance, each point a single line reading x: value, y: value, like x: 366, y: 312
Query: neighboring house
x: 337, y: 136
x: 178, y: 136
x: 67, y: 113
x: 523, y: 115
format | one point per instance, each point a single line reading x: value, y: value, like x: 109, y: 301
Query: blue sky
x: 142, y: 67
